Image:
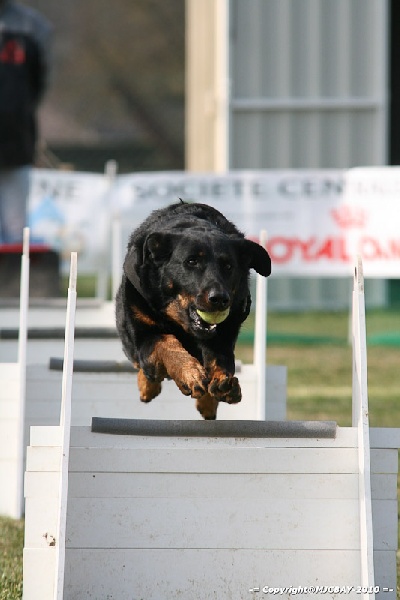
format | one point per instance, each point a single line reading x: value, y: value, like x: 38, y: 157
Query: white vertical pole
x: 361, y: 421
x: 116, y: 259
x: 103, y: 272
x: 65, y: 426
x: 221, y: 86
x: 350, y: 317
x: 260, y: 338
x: 116, y: 254
x: 22, y: 342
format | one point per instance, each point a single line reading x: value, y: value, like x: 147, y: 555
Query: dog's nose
x: 218, y: 298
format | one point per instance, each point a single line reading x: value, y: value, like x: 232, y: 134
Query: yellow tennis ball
x: 213, y: 318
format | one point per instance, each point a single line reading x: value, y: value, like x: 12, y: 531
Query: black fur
x: 182, y: 258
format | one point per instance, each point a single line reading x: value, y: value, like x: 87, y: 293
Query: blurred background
x: 215, y: 85
x: 117, y: 87
x: 269, y: 83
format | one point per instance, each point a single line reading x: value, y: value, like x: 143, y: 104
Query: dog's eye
x: 226, y: 265
x: 192, y: 262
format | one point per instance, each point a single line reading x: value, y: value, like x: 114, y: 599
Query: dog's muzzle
x: 199, y: 326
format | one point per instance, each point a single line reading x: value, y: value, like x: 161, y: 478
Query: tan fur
x: 172, y: 359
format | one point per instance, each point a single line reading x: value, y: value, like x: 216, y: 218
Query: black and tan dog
x: 183, y: 296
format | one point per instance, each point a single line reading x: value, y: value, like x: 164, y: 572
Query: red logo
x: 350, y: 217
x: 12, y: 53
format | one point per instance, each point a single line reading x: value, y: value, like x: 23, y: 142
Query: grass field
x: 11, y: 544
x: 320, y: 375
x: 319, y: 387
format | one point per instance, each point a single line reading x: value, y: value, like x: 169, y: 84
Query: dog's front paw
x: 225, y: 387
x: 207, y: 406
x: 192, y: 379
x: 147, y: 389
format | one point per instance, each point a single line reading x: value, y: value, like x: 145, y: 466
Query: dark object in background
x: 44, y: 272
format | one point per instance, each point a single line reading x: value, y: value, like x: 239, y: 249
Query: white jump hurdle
x: 45, y: 341
x: 12, y: 407
x: 50, y: 313
x: 94, y: 322
x: 116, y: 393
x: 219, y: 509
x: 101, y: 394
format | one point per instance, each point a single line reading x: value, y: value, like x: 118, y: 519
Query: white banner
x: 369, y: 219
x: 69, y: 212
x: 316, y: 221
x: 292, y: 206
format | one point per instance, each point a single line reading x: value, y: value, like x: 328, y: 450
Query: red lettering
x: 331, y: 248
x: 280, y: 249
x: 370, y: 249
x: 306, y: 248
x: 342, y: 250
x: 284, y: 249
x: 394, y: 248
x: 373, y: 249
x: 326, y: 250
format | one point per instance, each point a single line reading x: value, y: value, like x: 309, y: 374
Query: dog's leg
x: 147, y: 389
x: 188, y: 374
x: 207, y: 406
x: 223, y: 385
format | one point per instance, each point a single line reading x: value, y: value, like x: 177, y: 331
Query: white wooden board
x: 116, y: 394
x: 219, y: 486
x: 39, y: 351
x: 8, y: 474
x: 346, y: 437
x: 38, y: 564
x: 245, y: 500
x: 127, y: 574
x: 244, y: 460
x: 90, y: 313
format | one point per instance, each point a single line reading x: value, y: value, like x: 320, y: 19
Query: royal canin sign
x: 316, y: 222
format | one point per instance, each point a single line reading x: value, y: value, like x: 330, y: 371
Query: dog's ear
x: 255, y: 256
x: 130, y: 263
x: 158, y: 247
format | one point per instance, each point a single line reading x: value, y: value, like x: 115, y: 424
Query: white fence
x: 205, y: 516
x: 102, y: 393
x: 285, y: 505
x: 12, y: 406
x: 95, y: 331
x: 105, y: 394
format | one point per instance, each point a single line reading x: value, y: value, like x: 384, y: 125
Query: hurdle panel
x: 12, y: 406
x: 385, y: 444
x: 171, y: 515
x: 230, y: 514
x: 360, y: 422
x: 116, y: 394
x: 40, y: 349
x: 10, y: 396
x: 104, y: 394
x: 49, y: 313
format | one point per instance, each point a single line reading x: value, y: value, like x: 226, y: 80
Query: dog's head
x: 197, y: 277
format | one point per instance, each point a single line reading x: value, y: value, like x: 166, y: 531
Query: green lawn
x: 319, y: 387
x: 11, y: 544
x: 320, y: 374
